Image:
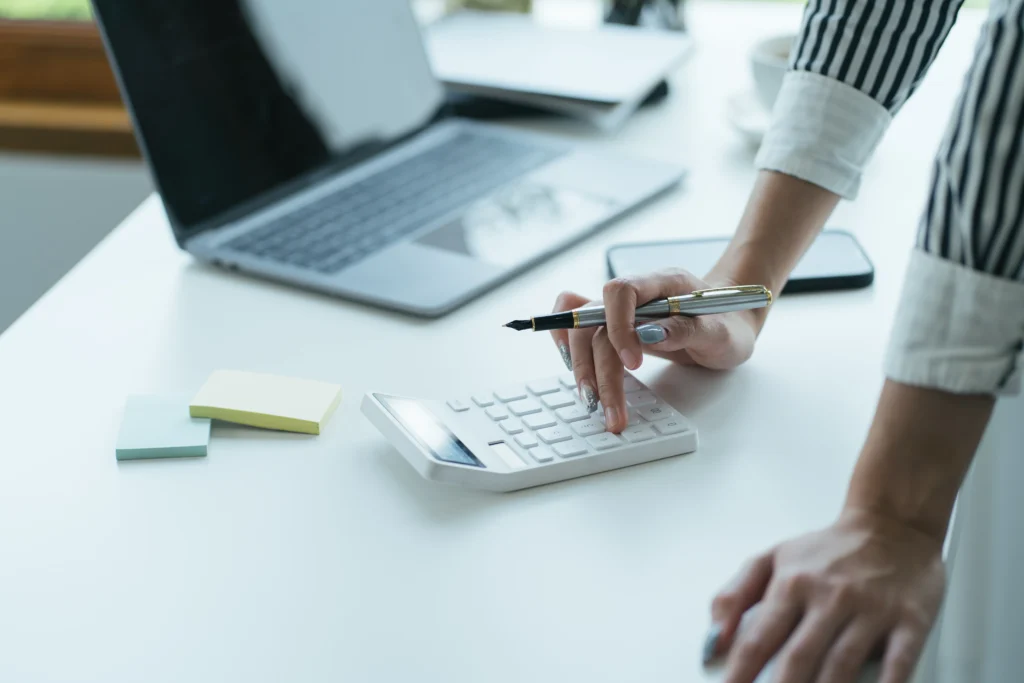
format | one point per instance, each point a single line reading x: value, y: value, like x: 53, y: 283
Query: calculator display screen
x: 426, y: 429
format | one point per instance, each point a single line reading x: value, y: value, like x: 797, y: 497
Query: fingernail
x: 589, y: 397
x: 629, y: 359
x: 651, y: 334
x: 566, y: 358
x: 711, y: 644
x: 611, y: 414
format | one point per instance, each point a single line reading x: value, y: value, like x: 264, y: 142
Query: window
x: 51, y: 10
x: 57, y: 92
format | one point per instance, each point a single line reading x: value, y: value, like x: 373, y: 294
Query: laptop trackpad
x: 416, y: 277
x: 518, y: 223
x: 450, y: 263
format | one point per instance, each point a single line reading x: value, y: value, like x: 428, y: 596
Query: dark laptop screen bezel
x: 184, y: 230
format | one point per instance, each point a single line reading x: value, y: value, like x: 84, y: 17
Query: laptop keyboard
x: 356, y: 221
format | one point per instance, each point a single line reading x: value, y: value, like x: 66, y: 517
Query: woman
x: 874, y: 578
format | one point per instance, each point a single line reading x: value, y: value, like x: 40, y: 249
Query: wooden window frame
x: 57, y: 91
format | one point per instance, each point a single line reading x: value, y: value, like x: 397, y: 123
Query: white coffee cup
x: 769, y: 61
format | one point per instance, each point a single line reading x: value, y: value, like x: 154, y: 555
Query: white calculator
x: 525, y: 435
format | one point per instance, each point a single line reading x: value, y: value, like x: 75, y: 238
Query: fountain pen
x: 700, y: 302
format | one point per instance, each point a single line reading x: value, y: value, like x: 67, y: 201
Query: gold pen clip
x: 746, y: 289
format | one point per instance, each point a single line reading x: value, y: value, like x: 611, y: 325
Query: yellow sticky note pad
x: 267, y: 401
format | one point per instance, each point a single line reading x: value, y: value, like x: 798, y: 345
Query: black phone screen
x: 834, y: 261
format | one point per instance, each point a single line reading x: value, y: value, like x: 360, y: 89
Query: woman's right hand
x: 597, y: 355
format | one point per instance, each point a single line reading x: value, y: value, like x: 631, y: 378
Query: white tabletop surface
x: 288, y: 557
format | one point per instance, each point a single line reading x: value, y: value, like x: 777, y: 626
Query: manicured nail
x: 610, y: 415
x: 711, y: 644
x: 629, y: 359
x: 589, y: 397
x: 566, y: 358
x: 651, y: 334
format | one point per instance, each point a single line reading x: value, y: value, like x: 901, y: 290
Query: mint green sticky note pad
x: 161, y: 427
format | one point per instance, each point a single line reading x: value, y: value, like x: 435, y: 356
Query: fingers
x: 744, y: 591
x: 901, y: 654
x: 617, y: 345
x: 804, y: 652
x: 759, y: 642
x: 566, y: 301
x: 662, y: 337
x: 623, y: 295
x: 620, y: 302
x: 844, y: 661
x: 608, y: 366
x: 581, y: 351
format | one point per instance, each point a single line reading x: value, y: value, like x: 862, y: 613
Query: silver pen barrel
x: 702, y: 302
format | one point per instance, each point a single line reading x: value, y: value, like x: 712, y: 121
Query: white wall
x: 53, y: 210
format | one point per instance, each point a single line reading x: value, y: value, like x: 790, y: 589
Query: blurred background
x: 69, y: 167
x: 69, y: 170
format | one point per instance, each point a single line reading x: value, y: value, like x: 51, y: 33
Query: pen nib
x: 519, y: 324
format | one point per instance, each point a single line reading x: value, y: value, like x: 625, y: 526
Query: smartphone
x: 835, y: 261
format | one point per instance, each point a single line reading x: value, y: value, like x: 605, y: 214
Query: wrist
x: 887, y: 510
x: 917, y: 453
x: 782, y: 217
x: 738, y: 266
x: 881, y: 525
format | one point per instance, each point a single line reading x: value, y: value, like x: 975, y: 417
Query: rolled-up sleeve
x: 960, y: 323
x: 824, y: 132
x: 852, y: 67
x: 957, y: 329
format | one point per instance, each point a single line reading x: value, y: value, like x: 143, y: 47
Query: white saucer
x: 748, y: 116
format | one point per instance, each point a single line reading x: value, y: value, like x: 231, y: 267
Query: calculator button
x: 572, y: 413
x: 567, y: 449
x: 671, y: 425
x: 483, y: 400
x: 543, y: 386
x: 497, y: 413
x: 525, y: 406
x: 638, y: 433
x: 604, y: 441
x: 588, y: 427
x: 458, y: 405
x: 510, y: 394
x: 554, y: 434
x: 640, y: 398
x: 630, y: 383
x: 568, y: 381
x: 511, y: 426
x: 634, y: 417
x: 655, y: 413
x: 558, y: 400
x: 539, y: 421
x: 526, y: 440
x: 542, y: 454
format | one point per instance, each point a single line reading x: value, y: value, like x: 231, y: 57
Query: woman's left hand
x: 829, y: 600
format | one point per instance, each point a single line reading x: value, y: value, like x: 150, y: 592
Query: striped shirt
x: 960, y: 325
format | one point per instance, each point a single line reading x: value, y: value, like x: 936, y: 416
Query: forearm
x: 829, y: 116
x: 783, y: 216
x: 917, y: 453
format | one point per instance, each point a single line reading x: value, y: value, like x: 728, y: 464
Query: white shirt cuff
x: 957, y: 329
x: 823, y: 131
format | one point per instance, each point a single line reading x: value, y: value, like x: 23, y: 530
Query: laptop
x: 306, y: 142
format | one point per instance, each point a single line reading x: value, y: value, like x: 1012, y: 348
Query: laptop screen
x: 235, y: 101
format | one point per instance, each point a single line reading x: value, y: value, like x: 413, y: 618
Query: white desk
x: 283, y: 557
